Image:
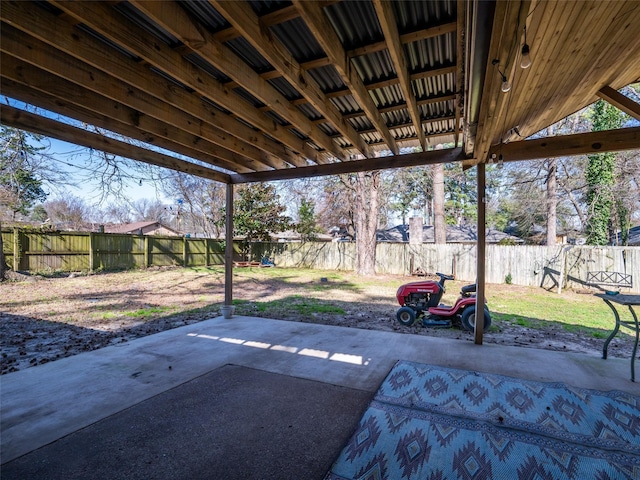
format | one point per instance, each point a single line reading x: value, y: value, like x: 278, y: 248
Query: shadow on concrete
x: 232, y: 423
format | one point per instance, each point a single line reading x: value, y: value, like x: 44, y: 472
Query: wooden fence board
x: 549, y: 267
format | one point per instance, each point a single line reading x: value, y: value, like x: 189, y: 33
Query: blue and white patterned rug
x: 436, y: 423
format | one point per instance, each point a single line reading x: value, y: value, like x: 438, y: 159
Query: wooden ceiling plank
x: 569, y: 145
x: 64, y: 37
x: 45, y: 126
x: 117, y: 28
x: 26, y: 82
x: 430, y: 157
x: 138, y: 97
x: 173, y: 18
x: 616, y: 46
x: 316, y: 21
x: 558, y: 75
x: 386, y: 17
x: 242, y: 17
x: 503, y: 37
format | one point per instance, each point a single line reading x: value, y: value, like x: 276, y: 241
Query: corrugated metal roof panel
x: 206, y: 14
x: 412, y: 15
x: 397, y: 117
x: 360, y: 123
x: 431, y: 52
x: 387, y: 96
x: 207, y: 67
x: 279, y: 119
x: 243, y: 49
x: 146, y: 23
x: 285, y: 88
x: 262, y: 7
x: 327, y: 78
x: 298, y: 39
x: 328, y: 129
x: 346, y: 104
x: 433, y: 86
x: 248, y: 97
x: 375, y: 66
x: 309, y: 111
x: 355, y: 34
x: 434, y: 110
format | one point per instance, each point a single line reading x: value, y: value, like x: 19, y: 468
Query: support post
x: 480, y: 254
x: 228, y: 250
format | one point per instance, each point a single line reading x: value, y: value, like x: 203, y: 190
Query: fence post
x: 184, y: 251
x: 17, y: 254
x: 91, y: 254
x: 206, y: 252
x: 146, y: 251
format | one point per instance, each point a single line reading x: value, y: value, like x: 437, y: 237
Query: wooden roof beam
x: 315, y: 19
x: 568, y: 145
x: 386, y: 17
x: 144, y: 96
x: 620, y: 101
x: 174, y: 19
x: 430, y: 157
x: 51, y: 128
x: 65, y: 102
x: 38, y: 87
x: 242, y: 17
x: 117, y: 28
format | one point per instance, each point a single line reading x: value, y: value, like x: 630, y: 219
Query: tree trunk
x: 367, y: 188
x: 439, y: 227
x: 3, y: 265
x: 552, y: 201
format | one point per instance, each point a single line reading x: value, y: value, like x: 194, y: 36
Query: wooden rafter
x: 328, y: 39
x: 175, y: 20
x: 620, y: 101
x: 149, y: 131
x: 142, y: 97
x: 248, y: 23
x: 51, y: 128
x: 369, y: 164
x: 567, y: 145
x: 118, y: 29
x: 386, y: 17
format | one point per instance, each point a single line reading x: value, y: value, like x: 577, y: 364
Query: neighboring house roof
x: 291, y: 236
x: 455, y: 234
x: 136, y: 227
x: 634, y: 236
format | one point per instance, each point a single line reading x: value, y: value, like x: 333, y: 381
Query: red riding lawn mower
x: 423, y: 298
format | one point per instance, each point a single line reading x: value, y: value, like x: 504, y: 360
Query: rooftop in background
x: 455, y: 234
x: 141, y: 228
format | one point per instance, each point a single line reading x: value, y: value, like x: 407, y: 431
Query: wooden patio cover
x: 246, y: 91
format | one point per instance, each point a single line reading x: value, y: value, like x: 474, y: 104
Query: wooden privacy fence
x: 530, y: 265
x: 77, y: 251
x: 550, y: 267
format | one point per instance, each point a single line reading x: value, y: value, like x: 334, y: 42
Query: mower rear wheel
x: 406, y: 316
x: 468, y: 318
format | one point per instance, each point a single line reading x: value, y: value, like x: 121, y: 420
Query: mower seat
x: 467, y: 289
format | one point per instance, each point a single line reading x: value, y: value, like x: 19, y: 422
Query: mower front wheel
x: 468, y: 318
x: 406, y: 316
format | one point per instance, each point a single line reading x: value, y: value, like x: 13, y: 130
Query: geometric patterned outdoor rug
x: 429, y: 423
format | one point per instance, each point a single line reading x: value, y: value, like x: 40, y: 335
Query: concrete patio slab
x: 44, y: 403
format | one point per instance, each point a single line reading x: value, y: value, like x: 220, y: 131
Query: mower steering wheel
x: 445, y: 277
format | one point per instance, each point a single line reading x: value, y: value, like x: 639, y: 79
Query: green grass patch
x: 299, y: 304
x: 146, y: 312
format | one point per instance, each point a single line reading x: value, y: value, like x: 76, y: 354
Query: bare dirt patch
x: 44, y: 319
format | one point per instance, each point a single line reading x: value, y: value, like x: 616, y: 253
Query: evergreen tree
x: 307, y: 226
x: 20, y: 185
x: 258, y: 213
